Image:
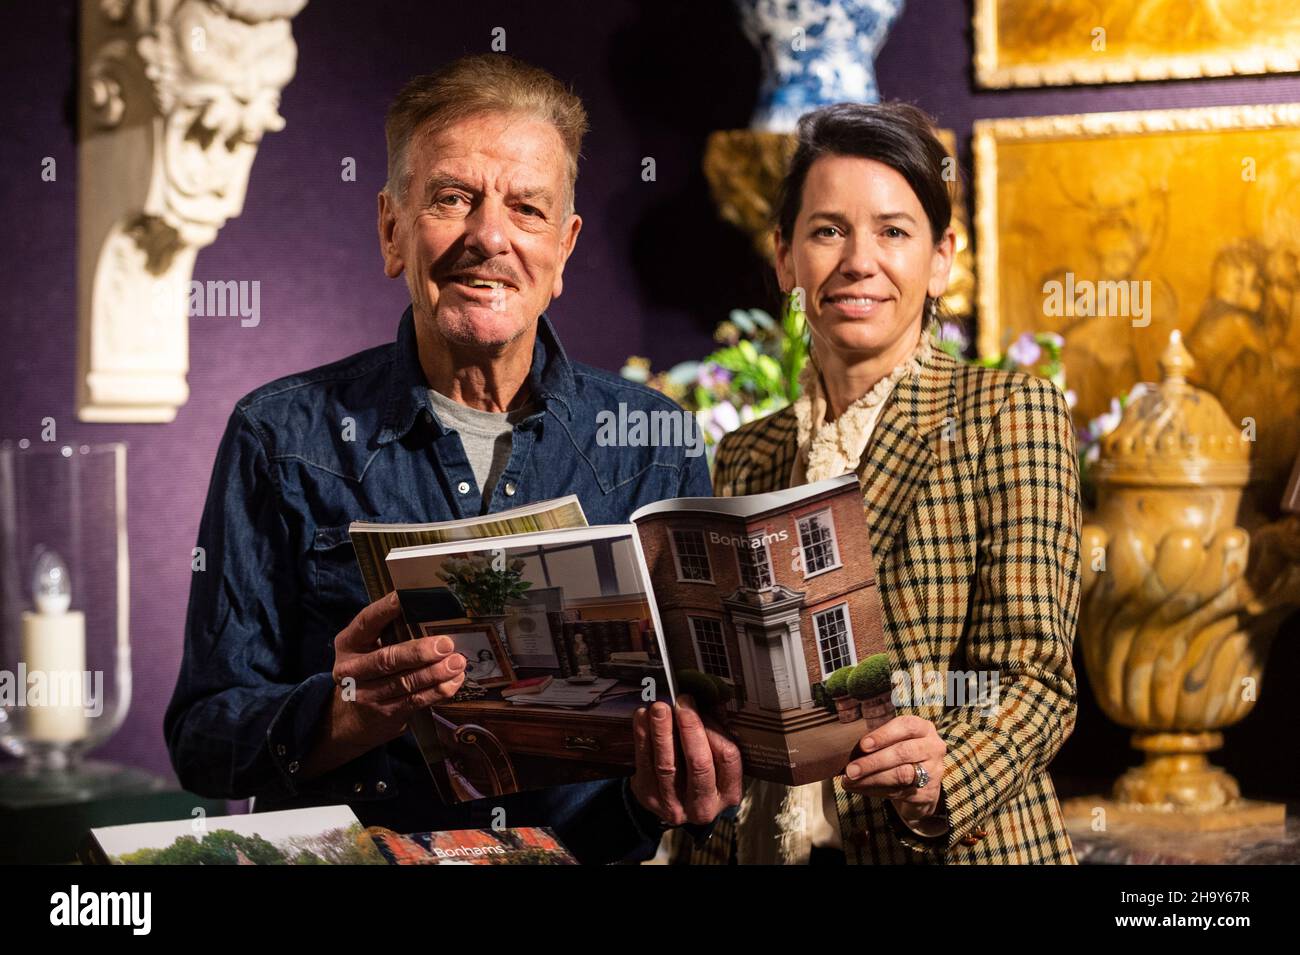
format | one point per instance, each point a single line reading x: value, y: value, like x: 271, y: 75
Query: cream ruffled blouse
x: 780, y: 824
x: 829, y: 449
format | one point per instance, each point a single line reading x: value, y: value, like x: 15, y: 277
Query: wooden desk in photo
x: 600, y: 735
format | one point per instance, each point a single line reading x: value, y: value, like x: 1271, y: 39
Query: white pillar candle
x: 54, y: 644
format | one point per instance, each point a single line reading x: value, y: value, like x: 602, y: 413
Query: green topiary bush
x: 725, y: 691
x: 837, y: 684
x: 707, y: 690
x: 870, y: 677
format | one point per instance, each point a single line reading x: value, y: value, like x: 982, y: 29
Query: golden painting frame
x: 1194, y: 39
x: 1194, y: 207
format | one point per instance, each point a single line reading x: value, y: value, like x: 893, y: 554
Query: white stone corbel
x: 174, y: 97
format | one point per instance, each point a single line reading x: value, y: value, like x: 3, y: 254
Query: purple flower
x: 1024, y: 351
x: 711, y: 376
x: 717, y: 420
x: 1105, y: 423
x: 725, y: 414
x: 951, y: 332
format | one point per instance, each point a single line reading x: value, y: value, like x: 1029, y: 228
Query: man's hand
x: 690, y: 784
x: 380, y: 688
x: 888, y: 768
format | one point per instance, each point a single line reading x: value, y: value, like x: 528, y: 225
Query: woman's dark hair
x: 896, y: 134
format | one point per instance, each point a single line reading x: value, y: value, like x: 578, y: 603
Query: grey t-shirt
x: 486, y: 435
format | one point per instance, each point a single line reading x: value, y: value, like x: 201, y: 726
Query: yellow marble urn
x: 1176, y: 617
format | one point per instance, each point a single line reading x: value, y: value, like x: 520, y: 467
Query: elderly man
x: 475, y: 408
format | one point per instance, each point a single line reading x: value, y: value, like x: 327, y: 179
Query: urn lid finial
x: 1175, y: 434
x: 1176, y: 362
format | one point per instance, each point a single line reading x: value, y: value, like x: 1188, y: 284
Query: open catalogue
x: 764, y: 608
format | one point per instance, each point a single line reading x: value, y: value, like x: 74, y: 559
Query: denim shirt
x: 303, y: 457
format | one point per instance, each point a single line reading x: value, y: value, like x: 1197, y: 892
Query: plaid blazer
x: 970, y: 488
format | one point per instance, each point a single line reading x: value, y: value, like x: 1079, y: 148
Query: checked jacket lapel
x: 900, y: 455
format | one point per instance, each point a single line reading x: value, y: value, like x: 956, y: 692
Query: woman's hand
x: 888, y: 767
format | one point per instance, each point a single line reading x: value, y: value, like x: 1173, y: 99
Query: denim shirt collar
x: 550, y: 379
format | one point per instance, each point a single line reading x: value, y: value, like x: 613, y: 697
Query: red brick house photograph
x: 770, y: 594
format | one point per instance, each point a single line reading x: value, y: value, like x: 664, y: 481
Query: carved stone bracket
x: 175, y: 96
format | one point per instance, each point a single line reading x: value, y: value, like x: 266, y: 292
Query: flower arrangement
x: 1037, y: 353
x: 756, y: 372
x: 483, y: 588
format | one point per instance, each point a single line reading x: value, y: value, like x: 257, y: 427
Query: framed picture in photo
x: 486, y: 660
x: 528, y: 628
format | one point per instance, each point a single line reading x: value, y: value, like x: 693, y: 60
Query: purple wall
x: 653, y: 272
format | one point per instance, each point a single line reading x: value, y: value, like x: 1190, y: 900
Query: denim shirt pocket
x: 648, y: 473
x: 336, y: 579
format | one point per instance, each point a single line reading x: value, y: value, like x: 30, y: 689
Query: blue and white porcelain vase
x: 815, y: 52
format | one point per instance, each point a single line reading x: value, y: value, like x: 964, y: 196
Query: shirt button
x: 357, y: 787
x: 510, y: 488
x: 293, y: 767
x: 280, y: 750
x: 381, y: 787
x: 463, y: 487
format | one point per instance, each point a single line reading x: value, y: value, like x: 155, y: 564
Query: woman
x: 485, y: 667
x: 971, y: 498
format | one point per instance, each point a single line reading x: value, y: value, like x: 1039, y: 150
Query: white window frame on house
x: 677, y: 562
x: 848, y: 636
x: 767, y: 559
x: 691, y: 621
x: 803, y: 548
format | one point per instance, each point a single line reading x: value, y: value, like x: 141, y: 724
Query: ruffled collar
x: 830, y: 448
